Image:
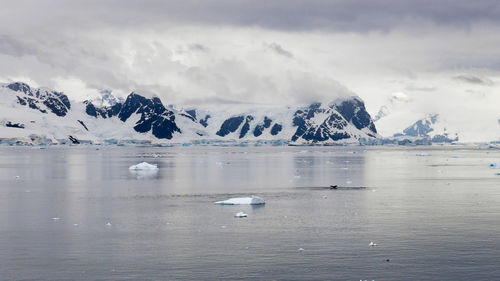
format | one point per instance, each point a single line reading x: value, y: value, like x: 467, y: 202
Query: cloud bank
x: 442, y: 55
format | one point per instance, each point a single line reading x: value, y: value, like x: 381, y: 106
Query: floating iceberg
x: 145, y: 174
x: 372, y: 244
x: 240, y: 215
x: 144, y: 166
x: 254, y: 200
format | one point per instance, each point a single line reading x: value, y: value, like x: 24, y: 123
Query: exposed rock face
x: 246, y: 126
x: 259, y: 129
x: 230, y: 125
x: 344, y: 120
x: 154, y: 116
x: 354, y: 112
x: 424, y: 129
x: 204, y: 121
x: 319, y: 123
x: 43, y: 100
x: 276, y: 129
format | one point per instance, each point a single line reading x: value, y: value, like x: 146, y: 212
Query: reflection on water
x: 433, y: 215
x: 145, y: 174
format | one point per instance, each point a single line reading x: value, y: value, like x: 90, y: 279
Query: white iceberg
x: 254, y: 200
x: 240, y: 215
x: 144, y: 166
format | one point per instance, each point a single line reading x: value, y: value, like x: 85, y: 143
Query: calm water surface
x: 433, y: 212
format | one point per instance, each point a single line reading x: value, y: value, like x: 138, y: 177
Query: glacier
x: 41, y: 116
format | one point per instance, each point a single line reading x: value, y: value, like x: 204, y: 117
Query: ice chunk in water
x: 144, y: 166
x: 240, y: 215
x: 372, y: 244
x: 254, y: 200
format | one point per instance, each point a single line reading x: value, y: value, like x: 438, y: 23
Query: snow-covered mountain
x: 31, y: 115
x: 429, y: 128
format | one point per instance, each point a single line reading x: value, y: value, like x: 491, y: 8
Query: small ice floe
x: 240, y: 215
x: 108, y: 224
x: 144, y: 166
x: 254, y: 200
x: 348, y: 181
x: 56, y: 219
x: 27, y: 191
x: 18, y: 177
x: 372, y: 244
x: 300, y: 250
x: 75, y: 224
x: 297, y: 176
x: 325, y: 197
x: 421, y: 154
x: 495, y: 165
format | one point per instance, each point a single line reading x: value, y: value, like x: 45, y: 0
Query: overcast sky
x: 441, y: 55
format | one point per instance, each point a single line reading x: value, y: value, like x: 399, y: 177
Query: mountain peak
x: 146, y: 116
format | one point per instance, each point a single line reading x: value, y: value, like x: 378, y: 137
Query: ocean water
x: 78, y: 213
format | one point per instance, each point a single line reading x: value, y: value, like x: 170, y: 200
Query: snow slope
x: 30, y: 115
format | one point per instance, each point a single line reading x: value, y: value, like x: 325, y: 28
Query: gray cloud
x: 413, y: 88
x: 472, y: 79
x: 279, y: 50
x: 237, y: 51
x: 340, y: 15
x: 198, y: 47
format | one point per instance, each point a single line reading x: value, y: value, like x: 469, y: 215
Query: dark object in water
x: 337, y: 187
x: 332, y: 187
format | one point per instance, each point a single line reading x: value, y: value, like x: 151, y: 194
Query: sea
x: 396, y: 213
